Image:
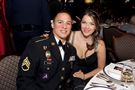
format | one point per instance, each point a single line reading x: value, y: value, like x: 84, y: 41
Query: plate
x: 114, y: 70
x: 98, y: 88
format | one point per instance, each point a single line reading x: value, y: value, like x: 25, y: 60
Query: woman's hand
x: 79, y: 74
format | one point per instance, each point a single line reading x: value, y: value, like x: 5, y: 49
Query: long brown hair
x: 95, y: 35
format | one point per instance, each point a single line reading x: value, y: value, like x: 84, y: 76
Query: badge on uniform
x: 25, y: 64
x: 49, y: 57
x: 45, y: 76
x: 71, y: 58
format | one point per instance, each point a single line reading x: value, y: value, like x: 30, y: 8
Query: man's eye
x: 59, y: 21
x: 69, y: 23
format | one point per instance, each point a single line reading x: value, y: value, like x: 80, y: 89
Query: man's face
x: 62, y: 25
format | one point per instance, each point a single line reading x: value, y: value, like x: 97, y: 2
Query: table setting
x: 115, y: 76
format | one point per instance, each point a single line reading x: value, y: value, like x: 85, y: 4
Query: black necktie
x: 60, y: 44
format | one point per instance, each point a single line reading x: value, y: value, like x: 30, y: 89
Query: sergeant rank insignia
x: 25, y: 64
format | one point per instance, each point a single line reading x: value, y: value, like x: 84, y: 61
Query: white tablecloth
x: 117, y: 85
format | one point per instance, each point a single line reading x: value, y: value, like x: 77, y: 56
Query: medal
x: 48, y: 56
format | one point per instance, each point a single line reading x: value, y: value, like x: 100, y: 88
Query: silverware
x: 95, y: 83
x: 104, y: 77
x: 111, y: 86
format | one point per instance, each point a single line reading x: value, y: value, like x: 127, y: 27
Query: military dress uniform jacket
x: 41, y: 66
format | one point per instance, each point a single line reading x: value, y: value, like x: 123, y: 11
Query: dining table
x: 110, y: 77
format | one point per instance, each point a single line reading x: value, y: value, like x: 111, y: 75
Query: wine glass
x: 133, y: 70
x: 126, y: 75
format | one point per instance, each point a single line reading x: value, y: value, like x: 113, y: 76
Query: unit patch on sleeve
x: 25, y: 64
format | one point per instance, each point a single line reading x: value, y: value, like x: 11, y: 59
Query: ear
x: 52, y: 24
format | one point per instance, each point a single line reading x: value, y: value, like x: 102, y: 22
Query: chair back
x: 109, y: 33
x: 124, y: 46
x: 8, y: 72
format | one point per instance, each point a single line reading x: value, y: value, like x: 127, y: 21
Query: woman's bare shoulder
x: 78, y: 31
x: 101, y: 43
x: 74, y: 33
x: 72, y: 36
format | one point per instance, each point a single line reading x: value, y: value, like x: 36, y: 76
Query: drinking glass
x: 127, y: 75
x: 133, y: 70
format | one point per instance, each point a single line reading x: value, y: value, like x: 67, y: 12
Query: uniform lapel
x: 55, y: 49
x: 56, y: 53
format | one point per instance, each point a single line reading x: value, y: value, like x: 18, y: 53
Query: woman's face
x: 87, y: 25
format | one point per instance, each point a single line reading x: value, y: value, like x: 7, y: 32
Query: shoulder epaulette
x: 42, y: 38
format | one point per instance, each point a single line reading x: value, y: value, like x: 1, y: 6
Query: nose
x: 64, y: 25
x: 87, y: 25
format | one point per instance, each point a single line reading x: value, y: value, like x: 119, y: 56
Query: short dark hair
x: 62, y: 11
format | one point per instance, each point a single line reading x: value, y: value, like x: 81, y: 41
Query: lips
x: 63, y: 31
x: 86, y: 30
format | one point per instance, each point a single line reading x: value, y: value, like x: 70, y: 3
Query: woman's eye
x: 91, y: 23
x: 83, y: 22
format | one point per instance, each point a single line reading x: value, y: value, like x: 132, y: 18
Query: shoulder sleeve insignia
x: 25, y: 64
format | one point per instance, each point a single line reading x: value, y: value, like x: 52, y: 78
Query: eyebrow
x: 63, y: 21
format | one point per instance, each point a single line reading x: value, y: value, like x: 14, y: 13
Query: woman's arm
x: 101, y: 55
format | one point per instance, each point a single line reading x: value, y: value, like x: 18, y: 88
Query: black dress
x: 85, y: 65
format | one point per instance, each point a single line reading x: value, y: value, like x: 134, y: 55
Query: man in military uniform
x: 46, y: 64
